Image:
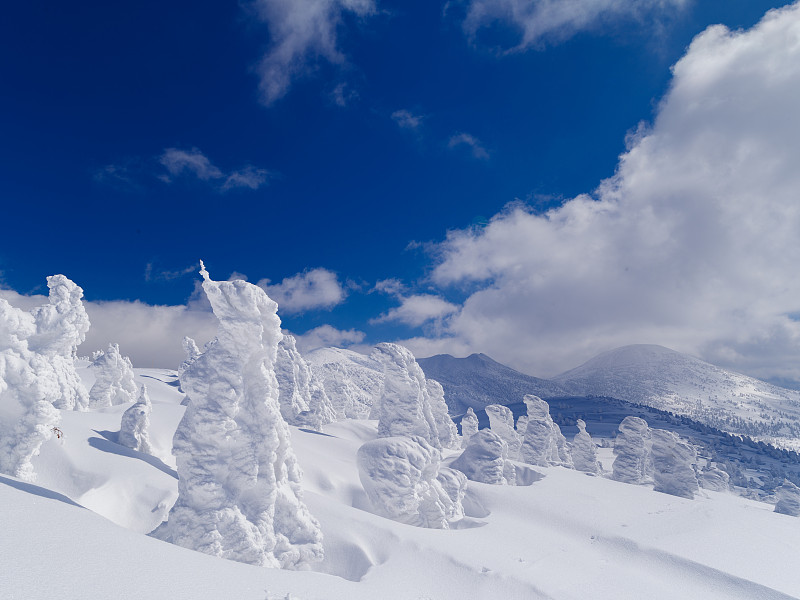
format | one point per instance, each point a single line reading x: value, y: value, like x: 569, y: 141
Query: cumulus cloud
x: 194, y: 163
x: 417, y: 310
x: 312, y: 289
x: 150, y: 335
x: 543, y: 21
x: 326, y: 336
x: 301, y: 31
x: 692, y: 244
x: 474, y: 144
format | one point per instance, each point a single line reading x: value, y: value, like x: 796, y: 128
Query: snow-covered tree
x: 114, y: 379
x: 634, y: 461
x: 445, y: 427
x: 405, y: 405
x: 192, y: 352
x: 674, y: 462
x: 522, y: 425
x: 352, y: 381
x: 61, y: 326
x: 239, y: 493
x: 788, y: 499
x: 134, y: 431
x: 401, y: 478
x: 469, y: 426
x: 28, y: 388
x: 584, y: 451
x: 501, y: 421
x: 302, y: 397
x: 485, y: 459
x: 544, y: 444
x: 713, y: 478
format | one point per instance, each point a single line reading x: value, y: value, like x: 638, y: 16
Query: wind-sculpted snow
x: 501, y: 421
x: 405, y: 407
x: 634, y: 461
x: 469, y: 427
x: 61, y: 327
x: 584, y: 451
x: 28, y: 388
x: 238, y: 479
x: 445, y: 427
x: 485, y: 459
x: 114, y: 381
x: 713, y: 478
x: 134, y: 431
x: 192, y: 352
x: 302, y: 398
x: 544, y: 444
x: 788, y: 499
x: 352, y: 381
x: 402, y: 480
x: 673, y: 464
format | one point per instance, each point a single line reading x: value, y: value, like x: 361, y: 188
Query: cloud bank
x: 693, y: 243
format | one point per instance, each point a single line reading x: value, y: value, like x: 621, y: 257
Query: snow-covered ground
x: 79, y: 531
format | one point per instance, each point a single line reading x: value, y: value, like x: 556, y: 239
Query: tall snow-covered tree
x: 544, y: 444
x: 485, y: 459
x: 632, y: 449
x: 501, y: 421
x: 114, y: 383
x: 469, y: 426
x: 673, y: 464
x: 584, y: 451
x: 134, y: 431
x: 239, y: 491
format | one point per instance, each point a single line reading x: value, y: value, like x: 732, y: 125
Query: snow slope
x: 565, y: 535
x: 667, y: 380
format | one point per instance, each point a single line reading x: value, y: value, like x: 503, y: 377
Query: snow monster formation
x: 445, y: 427
x: 302, y: 398
x: 239, y: 491
x: 352, y: 381
x: 134, y: 431
x: 544, y: 444
x: 788, y: 499
x: 501, y: 421
x: 469, y: 427
x: 485, y: 459
x: 715, y: 479
x: 61, y: 327
x: 673, y: 464
x: 114, y: 383
x: 406, y: 407
x: 584, y: 451
x: 634, y: 461
x: 403, y: 482
x: 28, y: 388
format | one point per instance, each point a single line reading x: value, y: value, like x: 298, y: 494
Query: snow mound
x: 239, y: 491
x: 544, y: 444
x: 352, y: 381
x: 673, y: 464
x: 633, y: 462
x: 114, y: 383
x: 402, y: 480
x: 134, y: 431
x: 485, y: 459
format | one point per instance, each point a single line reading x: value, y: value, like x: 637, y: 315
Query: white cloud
x: 417, y: 310
x: 405, y: 119
x: 692, y: 244
x: 326, y: 335
x: 193, y: 162
x: 474, y: 144
x: 301, y: 31
x: 313, y: 289
x: 150, y: 335
x: 540, y: 21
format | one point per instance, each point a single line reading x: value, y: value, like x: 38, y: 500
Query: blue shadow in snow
x: 38, y: 490
x: 173, y: 383
x: 107, y: 444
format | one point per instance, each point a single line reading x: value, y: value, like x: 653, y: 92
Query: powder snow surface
x: 565, y: 535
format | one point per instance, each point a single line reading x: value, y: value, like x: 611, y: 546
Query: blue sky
x: 328, y: 146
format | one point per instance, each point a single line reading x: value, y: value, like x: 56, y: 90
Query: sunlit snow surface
x: 564, y: 535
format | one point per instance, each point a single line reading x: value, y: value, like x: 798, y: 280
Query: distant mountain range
x: 642, y: 374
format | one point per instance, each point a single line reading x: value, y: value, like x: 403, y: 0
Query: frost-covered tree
x: 114, y: 379
x: 522, y: 425
x: 446, y: 429
x: 469, y: 427
x: 134, y: 431
x: 28, y: 388
x: 674, y: 462
x: 401, y: 478
x: 61, y: 326
x: 192, y: 352
x: 713, y: 478
x: 302, y: 397
x: 454, y: 483
x: 584, y: 451
x: 352, y: 381
x: 485, y: 459
x: 501, y: 421
x: 788, y: 499
x: 634, y: 461
x: 544, y: 444
x: 239, y: 491
x: 405, y: 406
